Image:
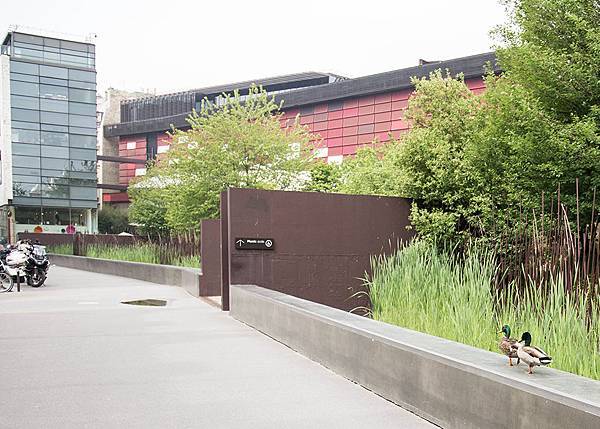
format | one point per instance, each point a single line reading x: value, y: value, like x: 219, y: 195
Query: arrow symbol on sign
x: 239, y: 242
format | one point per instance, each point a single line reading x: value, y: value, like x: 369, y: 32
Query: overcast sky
x: 173, y: 45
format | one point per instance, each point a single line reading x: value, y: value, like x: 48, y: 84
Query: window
x: 55, y: 163
x: 24, y: 88
x: 27, y: 68
x: 56, y: 216
x: 23, y: 102
x: 26, y: 161
x: 55, y: 139
x: 25, y: 136
x: 82, y: 109
x: 25, y: 115
x: 83, y: 175
x: 24, y: 77
x: 55, y: 152
x: 55, y: 118
x: 82, y: 95
x: 151, y: 147
x: 25, y: 125
x: 60, y: 106
x: 88, y: 142
x: 85, y: 131
x: 56, y: 72
x: 84, y: 76
x: 82, y: 193
x: 82, y: 121
x: 55, y: 180
x: 55, y: 191
x: 26, y: 179
x: 84, y: 154
x: 26, y: 149
x: 21, y: 189
x: 54, y: 92
x: 82, y: 182
x: 55, y: 128
x: 28, y: 215
x: 26, y: 171
x: 28, y: 53
x: 85, y: 166
x: 82, y: 85
x: 53, y: 81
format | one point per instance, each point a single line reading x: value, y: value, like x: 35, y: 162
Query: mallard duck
x: 508, y: 345
x: 532, y: 356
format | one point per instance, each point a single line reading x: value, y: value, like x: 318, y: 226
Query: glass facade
x: 53, y: 135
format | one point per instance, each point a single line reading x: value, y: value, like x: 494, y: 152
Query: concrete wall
x: 322, y: 242
x: 187, y: 278
x: 450, y: 384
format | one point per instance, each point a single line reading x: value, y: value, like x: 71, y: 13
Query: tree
x: 147, y: 210
x: 324, y: 177
x: 112, y: 220
x: 237, y: 143
x: 472, y: 162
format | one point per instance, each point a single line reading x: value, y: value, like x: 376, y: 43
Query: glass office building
x: 48, y: 135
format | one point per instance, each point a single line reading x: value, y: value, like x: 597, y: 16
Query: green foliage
x: 112, y: 220
x: 60, y: 249
x: 439, y: 293
x: 324, y: 177
x: 552, y: 47
x: 147, y: 210
x: 473, y: 162
x: 238, y: 143
x: 150, y: 253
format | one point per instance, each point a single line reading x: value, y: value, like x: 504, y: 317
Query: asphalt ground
x: 73, y: 356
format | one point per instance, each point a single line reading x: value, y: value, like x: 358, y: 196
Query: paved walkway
x: 72, y: 356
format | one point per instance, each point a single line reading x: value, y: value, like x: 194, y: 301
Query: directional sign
x: 254, y: 243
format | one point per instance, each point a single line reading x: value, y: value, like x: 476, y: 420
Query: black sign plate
x: 254, y: 243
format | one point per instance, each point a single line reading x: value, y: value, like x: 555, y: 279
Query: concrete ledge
x: 450, y: 384
x: 187, y: 278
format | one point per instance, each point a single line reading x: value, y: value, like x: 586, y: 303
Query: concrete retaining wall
x: 450, y: 384
x: 187, y: 278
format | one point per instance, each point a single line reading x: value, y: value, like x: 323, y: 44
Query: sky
x: 173, y: 45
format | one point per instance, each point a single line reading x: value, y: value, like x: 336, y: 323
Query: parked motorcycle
x: 26, y: 260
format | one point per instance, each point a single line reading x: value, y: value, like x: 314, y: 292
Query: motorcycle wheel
x: 6, y: 282
x: 37, y: 279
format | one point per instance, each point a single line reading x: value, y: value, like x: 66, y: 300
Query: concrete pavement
x: 72, y: 356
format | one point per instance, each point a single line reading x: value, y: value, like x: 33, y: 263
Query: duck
x: 508, y: 346
x: 532, y: 356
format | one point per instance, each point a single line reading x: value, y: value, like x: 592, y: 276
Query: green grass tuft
x: 439, y: 293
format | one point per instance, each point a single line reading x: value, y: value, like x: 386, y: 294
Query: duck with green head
x: 508, y: 345
x: 532, y: 356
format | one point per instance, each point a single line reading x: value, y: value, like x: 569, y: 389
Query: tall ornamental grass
x: 453, y: 296
x: 148, y: 252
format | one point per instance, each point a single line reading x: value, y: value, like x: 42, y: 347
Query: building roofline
x: 471, y: 67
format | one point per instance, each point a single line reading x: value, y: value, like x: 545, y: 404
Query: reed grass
x: 60, y: 249
x: 454, y: 296
x: 148, y: 252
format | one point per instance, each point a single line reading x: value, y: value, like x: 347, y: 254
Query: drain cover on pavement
x: 147, y: 302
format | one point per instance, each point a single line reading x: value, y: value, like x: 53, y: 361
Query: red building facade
x: 344, y: 115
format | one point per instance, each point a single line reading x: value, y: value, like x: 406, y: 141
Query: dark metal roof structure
x: 332, y: 90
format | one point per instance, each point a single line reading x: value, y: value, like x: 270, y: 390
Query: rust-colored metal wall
x: 50, y: 239
x: 210, y: 251
x: 322, y: 242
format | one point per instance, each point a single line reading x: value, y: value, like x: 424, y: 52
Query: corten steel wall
x: 210, y: 254
x: 49, y: 239
x: 341, y: 126
x: 322, y: 242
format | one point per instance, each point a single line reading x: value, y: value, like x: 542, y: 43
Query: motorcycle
x: 27, y: 260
